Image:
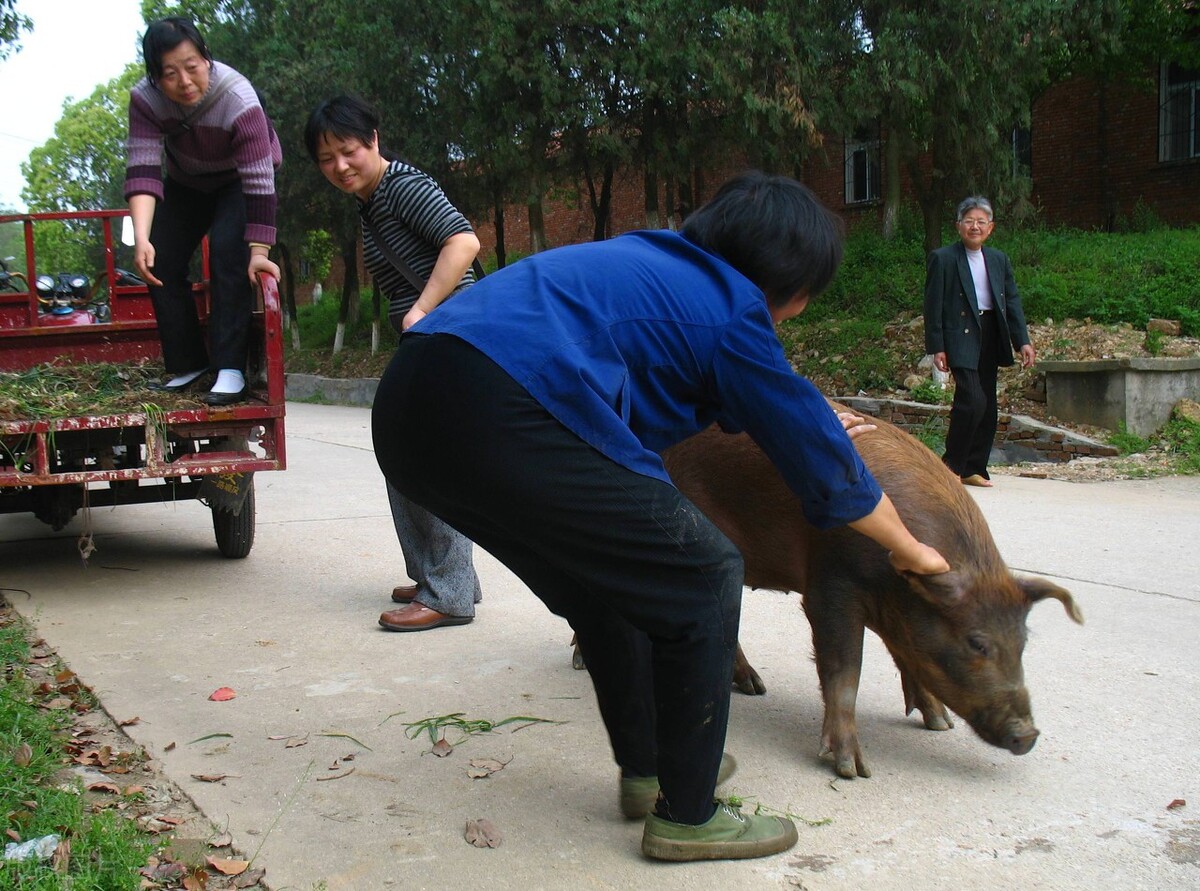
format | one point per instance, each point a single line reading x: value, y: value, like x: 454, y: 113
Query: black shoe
x: 226, y: 398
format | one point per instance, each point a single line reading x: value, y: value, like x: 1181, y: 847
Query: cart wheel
x: 235, y: 532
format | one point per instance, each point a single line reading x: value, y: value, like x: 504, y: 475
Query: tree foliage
x: 82, y: 166
x: 12, y: 25
x: 507, y: 102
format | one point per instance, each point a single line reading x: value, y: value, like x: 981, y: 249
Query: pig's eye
x: 978, y: 644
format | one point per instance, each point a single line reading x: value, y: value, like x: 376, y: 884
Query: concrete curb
x: 331, y: 390
x: 1020, y: 438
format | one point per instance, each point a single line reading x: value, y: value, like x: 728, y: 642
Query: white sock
x: 229, y: 380
x: 184, y: 379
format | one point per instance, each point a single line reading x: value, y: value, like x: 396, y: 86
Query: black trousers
x: 973, y: 414
x: 181, y: 220
x: 650, y: 586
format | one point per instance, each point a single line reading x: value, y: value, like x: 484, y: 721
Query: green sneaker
x: 638, y: 794
x: 729, y: 835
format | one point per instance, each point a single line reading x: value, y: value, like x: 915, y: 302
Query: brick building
x: 1098, y: 154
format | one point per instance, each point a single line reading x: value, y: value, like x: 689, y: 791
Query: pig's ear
x: 943, y: 590
x: 1036, y: 589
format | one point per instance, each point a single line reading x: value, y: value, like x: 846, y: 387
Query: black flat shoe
x: 226, y: 398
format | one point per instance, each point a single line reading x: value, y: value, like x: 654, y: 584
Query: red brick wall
x: 1068, y: 133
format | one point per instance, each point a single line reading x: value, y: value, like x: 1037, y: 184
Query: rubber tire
x: 235, y: 532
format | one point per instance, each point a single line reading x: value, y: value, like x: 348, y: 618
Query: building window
x: 862, y: 168
x: 1179, y: 113
x: 1022, y: 151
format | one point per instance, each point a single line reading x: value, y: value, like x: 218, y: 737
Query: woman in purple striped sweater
x: 221, y: 156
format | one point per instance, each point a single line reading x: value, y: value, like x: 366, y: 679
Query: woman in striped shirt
x: 407, y: 210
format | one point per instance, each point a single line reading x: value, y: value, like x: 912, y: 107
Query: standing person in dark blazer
x: 973, y: 322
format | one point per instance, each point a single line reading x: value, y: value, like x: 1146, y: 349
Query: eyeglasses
x: 975, y: 224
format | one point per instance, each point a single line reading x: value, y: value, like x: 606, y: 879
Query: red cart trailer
x: 54, y: 466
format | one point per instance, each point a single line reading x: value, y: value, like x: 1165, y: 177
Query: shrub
x: 930, y: 393
x: 1126, y: 442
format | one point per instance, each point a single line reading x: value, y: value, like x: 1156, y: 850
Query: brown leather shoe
x: 418, y: 617
x: 404, y: 593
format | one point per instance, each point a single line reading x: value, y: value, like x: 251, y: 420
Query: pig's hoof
x: 938, y: 722
x: 851, y: 768
x: 849, y: 764
x: 577, y: 662
x: 749, y: 683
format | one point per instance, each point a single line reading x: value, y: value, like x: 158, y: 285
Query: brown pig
x: 957, y: 638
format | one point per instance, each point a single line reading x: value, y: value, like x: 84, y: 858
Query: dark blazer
x: 952, y: 310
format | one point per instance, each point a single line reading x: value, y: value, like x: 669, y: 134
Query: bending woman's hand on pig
x: 854, y: 425
x: 884, y: 526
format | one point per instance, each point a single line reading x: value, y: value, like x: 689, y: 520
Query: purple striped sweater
x: 231, y: 140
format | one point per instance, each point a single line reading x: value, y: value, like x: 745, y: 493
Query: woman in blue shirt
x: 544, y: 394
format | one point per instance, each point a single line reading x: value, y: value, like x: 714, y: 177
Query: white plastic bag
x: 34, y: 849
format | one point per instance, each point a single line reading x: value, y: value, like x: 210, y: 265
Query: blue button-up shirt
x: 638, y: 342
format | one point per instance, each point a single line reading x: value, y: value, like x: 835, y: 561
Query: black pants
x: 973, y: 414
x: 650, y: 586
x: 181, y: 220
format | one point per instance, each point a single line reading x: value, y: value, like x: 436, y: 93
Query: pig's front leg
x: 838, y: 643
x: 933, y: 710
x: 745, y: 678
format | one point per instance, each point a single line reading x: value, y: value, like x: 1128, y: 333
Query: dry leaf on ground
x: 227, y: 867
x: 483, y: 833
x: 484, y: 767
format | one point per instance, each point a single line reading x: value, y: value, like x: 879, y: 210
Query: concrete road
x: 158, y: 620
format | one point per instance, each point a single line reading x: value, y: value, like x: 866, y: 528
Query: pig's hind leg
x: 933, y: 711
x: 838, y: 646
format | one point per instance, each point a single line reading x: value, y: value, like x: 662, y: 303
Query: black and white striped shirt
x: 414, y: 217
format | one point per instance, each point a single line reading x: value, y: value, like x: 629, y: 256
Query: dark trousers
x: 973, y: 413
x: 181, y: 220
x: 649, y: 585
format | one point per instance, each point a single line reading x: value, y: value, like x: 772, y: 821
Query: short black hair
x: 163, y: 36
x: 344, y: 116
x: 773, y: 230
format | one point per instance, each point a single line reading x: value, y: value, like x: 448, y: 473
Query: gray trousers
x: 436, y: 557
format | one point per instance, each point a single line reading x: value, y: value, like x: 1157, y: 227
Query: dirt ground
x: 1054, y: 340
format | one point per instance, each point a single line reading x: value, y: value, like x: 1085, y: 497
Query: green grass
x: 1127, y: 442
x: 1179, y: 438
x: 106, y: 849
x: 1109, y: 277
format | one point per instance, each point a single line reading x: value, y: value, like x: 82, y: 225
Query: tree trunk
x: 537, y: 224
x: 891, y: 177
x: 602, y: 203
x: 376, y: 300
x: 650, y: 186
x: 289, y: 292
x: 684, y: 188
x: 348, y: 308
x: 498, y: 208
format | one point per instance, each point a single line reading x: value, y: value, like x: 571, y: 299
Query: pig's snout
x: 1019, y: 742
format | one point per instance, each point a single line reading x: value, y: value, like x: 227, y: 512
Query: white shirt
x: 983, y: 291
